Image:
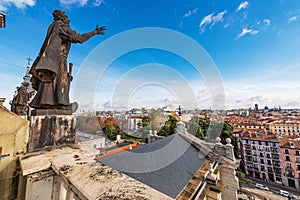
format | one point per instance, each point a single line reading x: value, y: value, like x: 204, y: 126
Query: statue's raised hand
x: 100, y: 30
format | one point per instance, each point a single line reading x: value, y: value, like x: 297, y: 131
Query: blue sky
x: 254, y: 45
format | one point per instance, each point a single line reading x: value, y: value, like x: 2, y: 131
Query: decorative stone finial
x: 155, y: 132
x: 218, y: 140
x: 228, y: 141
x: 150, y: 132
x: 180, y: 118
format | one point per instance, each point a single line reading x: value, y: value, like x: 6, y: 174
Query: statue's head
x: 59, y: 15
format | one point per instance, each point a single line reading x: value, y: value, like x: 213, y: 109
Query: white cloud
x: 98, y: 2
x: 190, y: 12
x: 247, y: 31
x: 72, y: 2
x: 243, y: 5
x: 206, y: 20
x: 292, y: 19
x: 218, y: 18
x: 21, y: 4
x: 267, y: 22
x: 212, y: 19
x: 227, y: 25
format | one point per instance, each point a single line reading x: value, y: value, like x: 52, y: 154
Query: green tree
x: 169, y: 128
x: 242, y: 179
x: 195, y: 129
x: 204, y: 124
x: 110, y: 132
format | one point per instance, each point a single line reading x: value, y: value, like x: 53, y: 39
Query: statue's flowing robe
x: 49, y: 71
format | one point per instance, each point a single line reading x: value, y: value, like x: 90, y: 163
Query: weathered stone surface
x: 14, y: 133
x: 51, y: 131
x: 40, y: 112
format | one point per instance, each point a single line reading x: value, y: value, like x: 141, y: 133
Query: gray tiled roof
x: 166, y: 165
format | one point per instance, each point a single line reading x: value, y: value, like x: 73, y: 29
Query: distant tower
x: 27, y: 77
x: 179, y: 111
x: 256, y: 107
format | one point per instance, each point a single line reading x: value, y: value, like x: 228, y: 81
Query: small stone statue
x: 20, y: 100
x: 50, y: 76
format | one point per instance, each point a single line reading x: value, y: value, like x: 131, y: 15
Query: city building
x: 290, y: 151
x: 285, y: 126
x: 136, y: 120
x: 261, y: 156
x: 14, y: 133
x: 2, y: 20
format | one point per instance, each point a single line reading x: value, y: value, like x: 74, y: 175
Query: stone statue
x: 20, y: 100
x: 50, y: 76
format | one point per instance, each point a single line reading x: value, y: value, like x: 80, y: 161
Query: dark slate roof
x: 166, y: 165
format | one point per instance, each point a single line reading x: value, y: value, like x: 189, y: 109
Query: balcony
x: 275, y: 157
x: 270, y: 170
x: 277, y: 171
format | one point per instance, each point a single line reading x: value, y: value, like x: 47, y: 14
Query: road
x: 276, y: 187
x: 263, y: 194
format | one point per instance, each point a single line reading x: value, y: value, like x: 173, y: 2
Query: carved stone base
x: 40, y: 112
x: 51, y: 131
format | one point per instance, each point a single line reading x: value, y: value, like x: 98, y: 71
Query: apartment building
x: 290, y: 151
x: 261, y: 156
x: 285, y: 127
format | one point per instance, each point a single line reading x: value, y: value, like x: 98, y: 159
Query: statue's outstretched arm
x: 86, y: 36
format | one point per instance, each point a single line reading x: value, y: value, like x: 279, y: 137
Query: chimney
x: 2, y: 100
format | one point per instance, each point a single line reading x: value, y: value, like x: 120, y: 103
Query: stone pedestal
x: 51, y: 131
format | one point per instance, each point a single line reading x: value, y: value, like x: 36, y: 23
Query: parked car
x: 284, y: 193
x: 261, y: 186
x: 293, y: 197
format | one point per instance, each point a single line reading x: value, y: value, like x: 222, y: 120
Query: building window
x: 290, y: 173
x: 287, y: 158
x: 297, y: 159
x: 267, y: 143
x: 298, y: 167
x: 297, y: 152
x: 261, y: 154
x: 288, y: 165
x: 269, y: 162
x: 286, y: 151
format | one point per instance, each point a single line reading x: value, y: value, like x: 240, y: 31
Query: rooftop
x: 92, y: 179
x: 166, y: 165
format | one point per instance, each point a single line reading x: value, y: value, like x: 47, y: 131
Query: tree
x: 195, y: 129
x: 242, y: 179
x: 110, y: 128
x: 110, y: 132
x: 169, y: 128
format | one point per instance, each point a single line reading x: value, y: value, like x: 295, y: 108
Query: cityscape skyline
x: 254, y: 49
